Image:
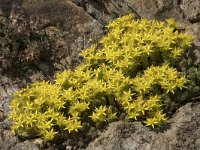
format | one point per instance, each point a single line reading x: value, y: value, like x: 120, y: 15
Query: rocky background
x: 41, y: 37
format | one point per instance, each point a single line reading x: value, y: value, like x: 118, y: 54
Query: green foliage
x: 130, y: 70
x: 191, y: 69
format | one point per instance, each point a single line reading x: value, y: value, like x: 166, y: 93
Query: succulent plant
x: 131, y: 70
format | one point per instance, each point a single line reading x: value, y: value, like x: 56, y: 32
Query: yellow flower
x: 161, y: 118
x: 151, y: 122
x: 49, y: 134
x: 100, y: 114
x: 133, y: 115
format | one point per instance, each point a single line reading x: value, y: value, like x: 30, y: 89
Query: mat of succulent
x: 126, y: 72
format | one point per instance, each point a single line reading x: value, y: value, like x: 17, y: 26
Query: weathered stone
x: 27, y: 145
x: 197, y: 54
x: 181, y: 133
x: 194, y: 29
x: 60, y: 24
x: 107, y: 10
x: 2, y: 115
x: 12, y: 89
x: 7, y: 140
x: 191, y: 9
x: 3, y: 93
x: 44, y: 67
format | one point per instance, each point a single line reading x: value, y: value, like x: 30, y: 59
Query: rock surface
x: 70, y: 26
x: 182, y: 132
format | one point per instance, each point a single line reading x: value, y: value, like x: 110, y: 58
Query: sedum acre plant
x: 129, y: 71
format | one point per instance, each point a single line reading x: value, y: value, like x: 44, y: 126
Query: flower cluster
x: 126, y: 71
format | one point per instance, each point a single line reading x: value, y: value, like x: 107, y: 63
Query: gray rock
x: 3, y: 93
x: 123, y: 136
x: 44, y: 67
x: 182, y: 133
x: 10, y: 90
x: 197, y: 55
x: 7, y: 140
x: 194, y: 29
x: 25, y: 146
x: 2, y: 115
x: 191, y: 9
x: 106, y: 10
